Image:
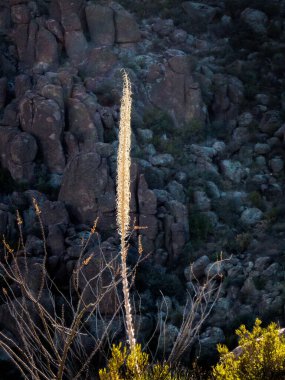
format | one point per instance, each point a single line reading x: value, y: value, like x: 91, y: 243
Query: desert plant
x: 200, y: 226
x: 123, y: 366
x: 123, y: 198
x: 260, y: 356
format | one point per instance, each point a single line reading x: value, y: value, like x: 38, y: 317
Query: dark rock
x: 3, y: 222
x: 251, y: 216
x: 31, y: 269
x: 198, y: 268
x: 104, y: 150
x: 147, y: 203
x: 22, y: 84
x: 76, y: 6
x: 255, y: 19
x: 43, y: 119
x: 199, y: 12
x: 54, y: 92
x: 3, y: 92
x: 20, y: 36
x: 270, y: 122
x: 100, y: 21
x: 151, y: 226
x: 127, y: 29
x: 178, y: 36
x: 179, y: 95
x: 34, y: 246
x: 81, y: 125
x: 71, y: 21
x: 10, y: 115
x: 165, y: 159
x: 55, y: 28
x: 163, y: 27
x: 206, y: 349
x: 23, y: 148
x: 14, y: 156
x: 54, y: 213
x: 76, y: 46
x: 55, y: 240
x: 87, y: 174
x: 71, y: 145
x: 5, y: 18
x: 20, y: 14
x: 99, y: 62
x: 228, y: 95
x: 97, y: 284
x: 107, y: 117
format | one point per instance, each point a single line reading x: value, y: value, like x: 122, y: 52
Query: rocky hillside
x: 208, y: 146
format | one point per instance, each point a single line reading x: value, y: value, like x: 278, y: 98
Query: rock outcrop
x: 207, y: 151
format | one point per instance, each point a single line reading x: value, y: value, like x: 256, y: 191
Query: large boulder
x: 54, y: 213
x: 147, y: 201
x: 251, y: 216
x: 97, y: 275
x: 270, y: 122
x: 47, y: 53
x: 100, y: 21
x: 255, y: 19
x: 24, y: 36
x: 23, y: 148
x: 199, y: 12
x: 76, y: 46
x: 206, y: 348
x: 20, y: 14
x: 177, y: 93
x: 87, y: 174
x: 99, y: 62
x: 18, y: 151
x: 176, y: 228
x: 43, y: 119
x: 228, y: 95
x: 127, y: 30
x: 232, y: 170
x: 81, y: 124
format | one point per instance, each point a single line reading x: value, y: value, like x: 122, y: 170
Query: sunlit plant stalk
x: 123, y: 198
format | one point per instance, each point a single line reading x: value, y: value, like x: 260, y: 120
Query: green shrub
x: 256, y: 200
x: 200, y: 226
x: 242, y: 241
x: 159, y: 121
x: 135, y: 365
x: 262, y: 355
x: 259, y: 282
x: 159, y: 282
x: 272, y: 215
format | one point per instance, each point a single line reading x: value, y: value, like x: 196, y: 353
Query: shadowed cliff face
x: 208, y: 142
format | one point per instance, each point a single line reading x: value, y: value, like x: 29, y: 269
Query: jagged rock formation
x: 208, y: 141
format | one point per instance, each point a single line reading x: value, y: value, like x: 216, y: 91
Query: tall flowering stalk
x: 124, y: 196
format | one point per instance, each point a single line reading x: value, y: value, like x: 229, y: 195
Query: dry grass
x: 47, y: 342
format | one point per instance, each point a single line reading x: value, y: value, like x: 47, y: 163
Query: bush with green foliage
x: 261, y: 356
x: 158, y: 121
x: 200, y: 226
x: 256, y: 200
x: 134, y: 364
